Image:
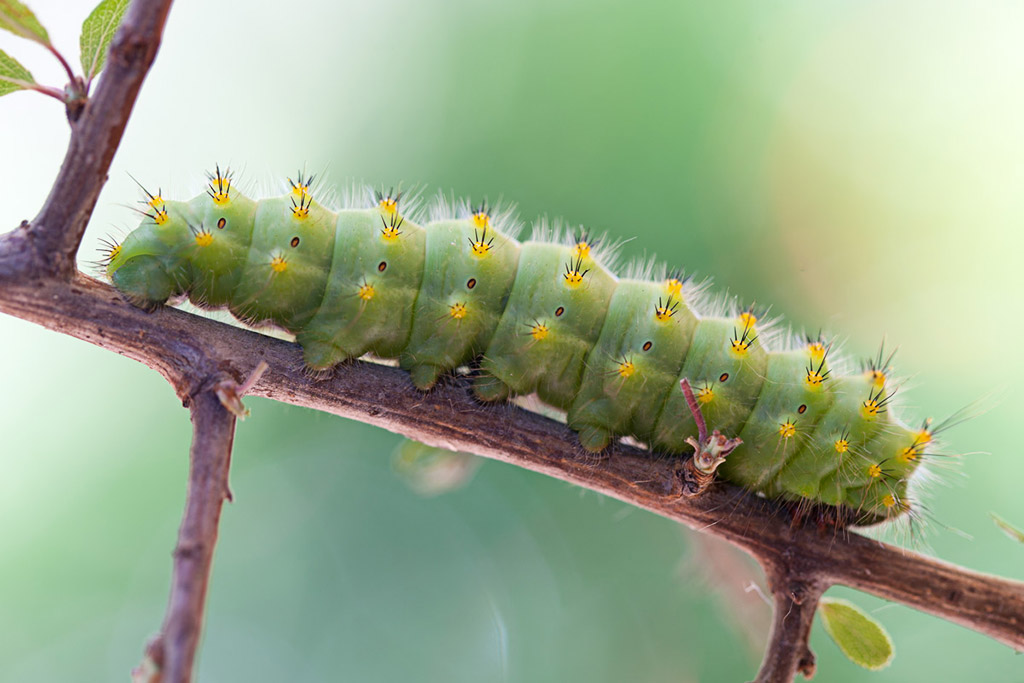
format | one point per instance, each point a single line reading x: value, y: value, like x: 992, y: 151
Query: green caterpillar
x: 546, y: 316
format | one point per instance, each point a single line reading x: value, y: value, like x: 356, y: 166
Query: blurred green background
x: 855, y: 165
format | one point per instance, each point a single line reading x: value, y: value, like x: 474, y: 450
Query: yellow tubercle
x: 392, y: 227
x: 743, y: 339
x: 875, y: 471
x: 888, y: 500
x: 482, y: 219
x: 705, y: 395
x: 574, y: 273
x: 740, y: 347
x: 912, y: 452
x: 814, y: 379
x: 457, y: 311
x: 278, y: 264
x: 539, y: 331
x: 664, y: 311
x: 915, y: 450
x: 160, y: 215
x: 220, y: 186
x: 626, y: 369
x: 303, y: 187
x: 480, y: 244
x: 388, y: 204
x: 220, y: 190
x: 156, y: 201
x: 787, y: 429
x: 816, y: 350
x: 877, y: 378
x: 300, y: 209
x: 366, y: 292
x: 869, y: 408
x: 114, y: 252
x: 674, y: 286
x: 581, y: 250
x: 841, y: 445
x: 204, y: 239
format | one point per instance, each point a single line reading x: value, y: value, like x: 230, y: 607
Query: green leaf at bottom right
x: 857, y: 634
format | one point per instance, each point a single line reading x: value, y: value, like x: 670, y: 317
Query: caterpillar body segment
x: 543, y: 316
x: 222, y: 235
x: 371, y: 290
x: 780, y: 421
x: 634, y: 367
x: 553, y: 318
x: 727, y: 380
x: 283, y: 280
x: 469, y: 271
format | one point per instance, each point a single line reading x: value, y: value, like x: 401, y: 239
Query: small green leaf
x: 859, y: 636
x: 97, y: 31
x: 1011, y: 531
x: 20, y: 21
x: 13, y: 76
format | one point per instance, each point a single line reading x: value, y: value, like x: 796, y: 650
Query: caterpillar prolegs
x: 546, y: 316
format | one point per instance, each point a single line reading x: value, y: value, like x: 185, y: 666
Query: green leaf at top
x: 1011, y: 531
x: 97, y: 31
x: 13, y: 76
x: 20, y: 21
x: 859, y: 636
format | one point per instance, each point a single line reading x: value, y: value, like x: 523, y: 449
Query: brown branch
x: 789, y: 650
x: 171, y: 654
x: 177, y: 344
x: 49, y: 244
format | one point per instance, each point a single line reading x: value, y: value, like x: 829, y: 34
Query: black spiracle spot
x: 723, y: 377
x: 382, y: 266
x: 802, y: 409
x: 295, y: 241
x: 647, y: 346
x: 559, y: 311
x: 222, y: 222
x: 471, y: 283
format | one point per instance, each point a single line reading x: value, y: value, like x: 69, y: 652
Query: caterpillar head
x: 151, y: 265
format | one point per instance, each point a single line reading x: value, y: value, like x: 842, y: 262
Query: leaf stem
x: 28, y: 85
x: 72, y: 78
